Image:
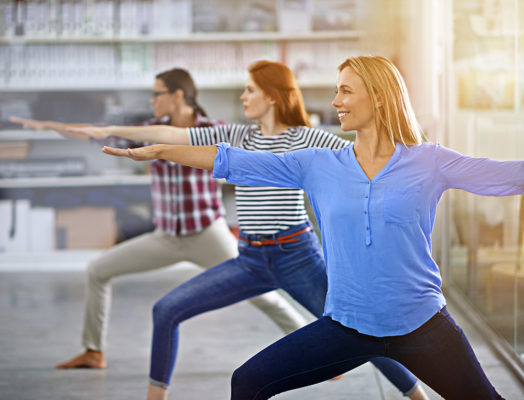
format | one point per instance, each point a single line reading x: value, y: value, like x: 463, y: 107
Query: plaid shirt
x: 185, y: 200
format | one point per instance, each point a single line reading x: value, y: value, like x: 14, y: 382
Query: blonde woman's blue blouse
x: 376, y: 233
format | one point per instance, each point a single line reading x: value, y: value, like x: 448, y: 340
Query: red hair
x: 278, y: 82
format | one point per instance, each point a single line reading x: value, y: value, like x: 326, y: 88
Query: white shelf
x: 98, y: 86
x: 196, y: 37
x: 76, y: 181
x: 58, y: 260
x: 330, y: 81
x: 21, y: 134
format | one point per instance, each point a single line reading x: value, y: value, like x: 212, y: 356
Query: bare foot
x: 419, y: 394
x: 156, y: 393
x: 89, y: 359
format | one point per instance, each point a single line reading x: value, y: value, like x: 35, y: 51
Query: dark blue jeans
x: 296, y: 267
x: 437, y: 352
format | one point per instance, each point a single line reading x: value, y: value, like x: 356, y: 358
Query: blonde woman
x: 375, y: 202
x: 277, y: 247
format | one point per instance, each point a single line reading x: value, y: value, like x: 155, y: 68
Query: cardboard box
x: 86, y: 228
x: 14, y: 150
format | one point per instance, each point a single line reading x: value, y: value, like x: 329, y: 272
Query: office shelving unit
x: 120, y: 64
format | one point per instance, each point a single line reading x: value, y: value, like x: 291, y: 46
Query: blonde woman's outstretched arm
x: 194, y: 156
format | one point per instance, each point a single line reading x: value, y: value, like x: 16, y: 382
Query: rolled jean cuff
x: 412, y: 390
x: 158, y: 383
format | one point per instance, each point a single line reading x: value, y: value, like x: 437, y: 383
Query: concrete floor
x: 40, y: 325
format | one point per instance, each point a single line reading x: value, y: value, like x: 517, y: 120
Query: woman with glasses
x: 187, y: 212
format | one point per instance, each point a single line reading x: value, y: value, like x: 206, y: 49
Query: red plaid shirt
x: 185, y: 200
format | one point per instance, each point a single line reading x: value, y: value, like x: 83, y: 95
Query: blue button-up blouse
x: 376, y: 233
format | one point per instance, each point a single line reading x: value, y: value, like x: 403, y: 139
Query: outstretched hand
x: 67, y: 130
x: 139, y: 154
x: 202, y: 157
x: 27, y: 123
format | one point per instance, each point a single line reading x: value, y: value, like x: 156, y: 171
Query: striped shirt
x: 267, y: 210
x: 185, y: 200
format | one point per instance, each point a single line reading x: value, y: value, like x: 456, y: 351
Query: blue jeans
x: 296, y: 267
x: 437, y: 352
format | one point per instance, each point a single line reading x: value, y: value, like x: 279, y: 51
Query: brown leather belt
x: 279, y: 240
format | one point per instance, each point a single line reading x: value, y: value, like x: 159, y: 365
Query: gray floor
x: 41, y: 316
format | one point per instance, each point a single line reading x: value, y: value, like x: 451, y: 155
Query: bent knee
x: 164, y: 312
x: 97, y: 272
x: 237, y: 389
x: 243, y: 386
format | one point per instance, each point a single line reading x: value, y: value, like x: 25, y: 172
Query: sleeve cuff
x: 221, y: 163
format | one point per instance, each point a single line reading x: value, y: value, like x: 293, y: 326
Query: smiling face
x: 353, y: 103
x: 256, y: 104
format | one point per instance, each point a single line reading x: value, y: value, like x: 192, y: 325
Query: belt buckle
x: 256, y: 242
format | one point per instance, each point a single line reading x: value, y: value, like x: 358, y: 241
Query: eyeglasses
x: 154, y: 95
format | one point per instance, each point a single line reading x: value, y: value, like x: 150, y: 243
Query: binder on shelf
x: 20, y: 17
x: 171, y: 18
x: 5, y: 18
x: 145, y: 17
x: 128, y: 17
x: 295, y: 15
x: 37, y: 18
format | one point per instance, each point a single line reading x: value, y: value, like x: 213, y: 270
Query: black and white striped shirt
x: 267, y: 210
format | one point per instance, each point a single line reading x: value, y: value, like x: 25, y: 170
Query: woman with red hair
x: 278, y: 248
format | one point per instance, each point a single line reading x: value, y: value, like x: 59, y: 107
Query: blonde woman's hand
x: 138, y: 154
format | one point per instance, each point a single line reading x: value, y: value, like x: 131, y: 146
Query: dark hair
x: 178, y: 78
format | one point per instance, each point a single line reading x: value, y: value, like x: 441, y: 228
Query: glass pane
x: 485, y: 246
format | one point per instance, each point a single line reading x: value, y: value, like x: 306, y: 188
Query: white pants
x: 158, y: 249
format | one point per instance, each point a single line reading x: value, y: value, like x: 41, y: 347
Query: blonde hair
x: 278, y: 82
x: 389, y: 94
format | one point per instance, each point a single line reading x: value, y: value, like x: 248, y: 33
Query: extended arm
x: 249, y: 168
x: 60, y: 127
x: 482, y: 176
x: 154, y: 133
x: 194, y: 156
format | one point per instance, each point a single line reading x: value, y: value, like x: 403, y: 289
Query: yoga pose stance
x: 277, y: 247
x: 188, y: 215
x: 375, y: 202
